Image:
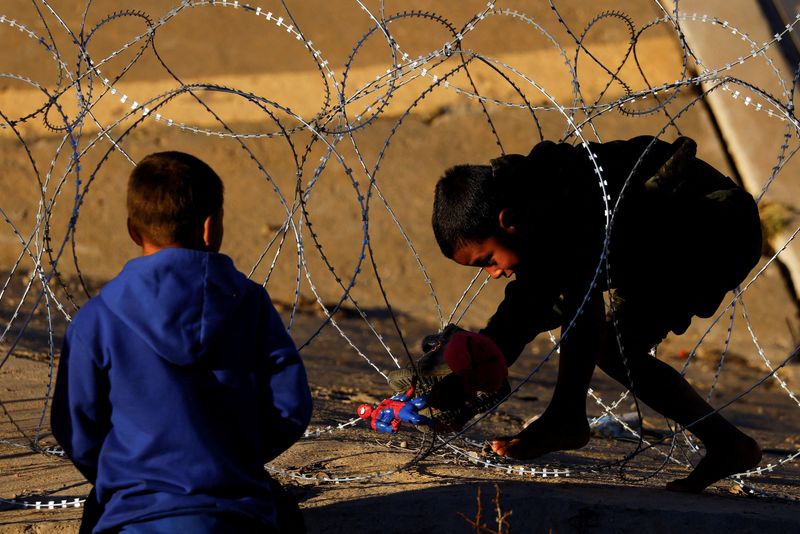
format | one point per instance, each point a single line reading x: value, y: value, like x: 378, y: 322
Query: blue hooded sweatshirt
x: 175, y: 386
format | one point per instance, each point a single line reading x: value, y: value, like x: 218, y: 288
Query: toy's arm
x: 384, y: 424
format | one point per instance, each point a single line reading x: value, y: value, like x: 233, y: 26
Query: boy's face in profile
x: 493, y: 255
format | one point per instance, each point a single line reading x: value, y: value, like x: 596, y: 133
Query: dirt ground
x: 384, y: 298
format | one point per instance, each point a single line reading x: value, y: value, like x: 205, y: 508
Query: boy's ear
x: 508, y: 221
x: 212, y: 232
x: 135, y: 235
x: 208, y: 231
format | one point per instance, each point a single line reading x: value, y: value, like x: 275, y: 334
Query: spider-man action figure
x: 387, y: 415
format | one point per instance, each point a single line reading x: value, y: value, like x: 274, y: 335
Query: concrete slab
x: 750, y: 85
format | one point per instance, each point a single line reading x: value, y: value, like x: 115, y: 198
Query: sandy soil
x: 227, y: 46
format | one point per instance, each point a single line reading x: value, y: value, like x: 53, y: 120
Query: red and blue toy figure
x: 387, y: 416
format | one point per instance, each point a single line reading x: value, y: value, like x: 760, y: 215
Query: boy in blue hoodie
x: 179, y: 381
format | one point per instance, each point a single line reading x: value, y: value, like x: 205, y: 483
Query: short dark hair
x: 465, y: 207
x: 469, y: 198
x: 170, y: 194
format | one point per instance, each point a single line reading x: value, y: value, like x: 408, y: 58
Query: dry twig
x: 501, y: 519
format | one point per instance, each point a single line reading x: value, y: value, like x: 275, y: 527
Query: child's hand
x: 462, y: 374
x: 477, y: 361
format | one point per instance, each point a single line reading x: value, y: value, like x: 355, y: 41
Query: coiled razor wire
x: 84, y: 81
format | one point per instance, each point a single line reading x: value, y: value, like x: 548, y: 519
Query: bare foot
x: 734, y: 456
x: 546, y: 434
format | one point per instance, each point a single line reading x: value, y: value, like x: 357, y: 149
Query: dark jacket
x: 175, y: 386
x: 681, y: 235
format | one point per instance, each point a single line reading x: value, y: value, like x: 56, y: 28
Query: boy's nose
x: 494, y: 272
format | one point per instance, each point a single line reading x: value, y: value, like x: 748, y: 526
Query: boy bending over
x: 179, y: 382
x: 682, y: 236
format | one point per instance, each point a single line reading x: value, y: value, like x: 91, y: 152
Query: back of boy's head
x: 469, y: 198
x: 170, y: 195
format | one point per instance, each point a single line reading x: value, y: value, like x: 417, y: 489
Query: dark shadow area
x: 543, y: 507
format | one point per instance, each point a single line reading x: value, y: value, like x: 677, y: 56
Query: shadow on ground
x: 542, y: 507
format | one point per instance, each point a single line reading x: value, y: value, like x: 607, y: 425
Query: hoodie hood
x: 178, y: 300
